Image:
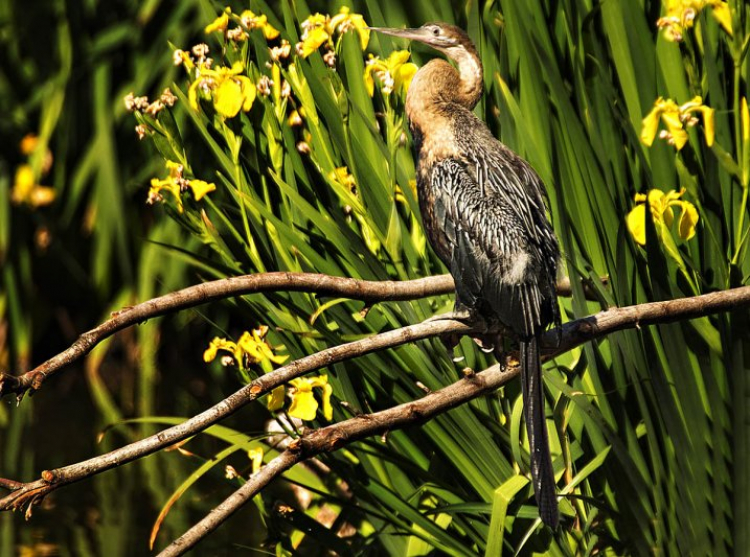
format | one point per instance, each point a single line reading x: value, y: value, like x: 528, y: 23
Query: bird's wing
x: 495, y: 266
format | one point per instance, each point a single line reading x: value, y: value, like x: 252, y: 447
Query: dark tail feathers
x: 536, y: 427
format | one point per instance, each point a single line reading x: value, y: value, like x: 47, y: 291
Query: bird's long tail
x: 536, y: 427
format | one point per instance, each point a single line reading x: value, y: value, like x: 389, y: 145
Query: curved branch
x: 364, y: 290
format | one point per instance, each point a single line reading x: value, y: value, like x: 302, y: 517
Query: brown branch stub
x: 25, y: 496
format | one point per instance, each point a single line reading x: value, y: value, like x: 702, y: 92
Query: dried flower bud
x: 167, y: 97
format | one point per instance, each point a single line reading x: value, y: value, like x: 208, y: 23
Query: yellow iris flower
x: 676, y: 118
x: 175, y: 184
x: 318, y: 29
x: 251, y: 348
x: 394, y: 73
x: 248, y: 19
x: 681, y: 15
x: 304, y: 405
x: 227, y: 87
x: 661, y: 206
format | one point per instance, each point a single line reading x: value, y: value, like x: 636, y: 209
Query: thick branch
x: 324, y: 285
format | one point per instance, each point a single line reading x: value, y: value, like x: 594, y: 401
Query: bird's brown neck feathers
x: 438, y: 87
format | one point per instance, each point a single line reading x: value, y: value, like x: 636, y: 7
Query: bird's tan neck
x: 438, y: 89
x: 435, y: 93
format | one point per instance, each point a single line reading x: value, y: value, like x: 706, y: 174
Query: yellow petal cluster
x: 393, y: 74
x: 341, y: 175
x: 661, y: 206
x: 27, y: 191
x: 248, y: 20
x: 680, y: 15
x: 304, y: 405
x: 318, y: 29
x: 174, y: 184
x: 676, y: 118
x: 228, y: 88
x: 26, y: 188
x: 251, y: 348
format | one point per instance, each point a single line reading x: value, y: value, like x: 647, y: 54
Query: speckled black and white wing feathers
x: 503, y: 261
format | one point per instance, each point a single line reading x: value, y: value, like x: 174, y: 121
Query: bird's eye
x: 436, y: 31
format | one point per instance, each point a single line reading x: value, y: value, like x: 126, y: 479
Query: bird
x: 484, y: 214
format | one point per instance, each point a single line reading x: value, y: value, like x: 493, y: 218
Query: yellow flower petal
x: 674, y: 126
x: 193, y: 94
x: 403, y: 76
x: 201, y: 188
x: 248, y: 92
x: 256, y: 457
x: 721, y: 14
x: 304, y: 406
x: 636, y: 223
x: 327, y: 408
x: 745, y: 120
x: 314, y: 40
x: 688, y: 220
x: 228, y: 98
x: 369, y: 81
x: 219, y: 24
x: 398, y: 57
x: 650, y: 125
x: 708, y: 124
x: 210, y: 353
x: 23, y: 183
x: 215, y: 345
x: 276, y: 400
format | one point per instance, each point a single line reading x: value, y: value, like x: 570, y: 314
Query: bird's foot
x: 486, y: 342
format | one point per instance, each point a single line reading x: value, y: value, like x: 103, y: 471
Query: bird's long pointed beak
x: 411, y: 34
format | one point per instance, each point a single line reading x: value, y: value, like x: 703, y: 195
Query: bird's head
x: 454, y: 43
x: 444, y: 37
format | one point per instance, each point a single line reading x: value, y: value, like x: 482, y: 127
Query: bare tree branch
x: 323, y: 285
x: 573, y: 334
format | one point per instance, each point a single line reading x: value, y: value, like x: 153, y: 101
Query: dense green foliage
x: 648, y: 427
